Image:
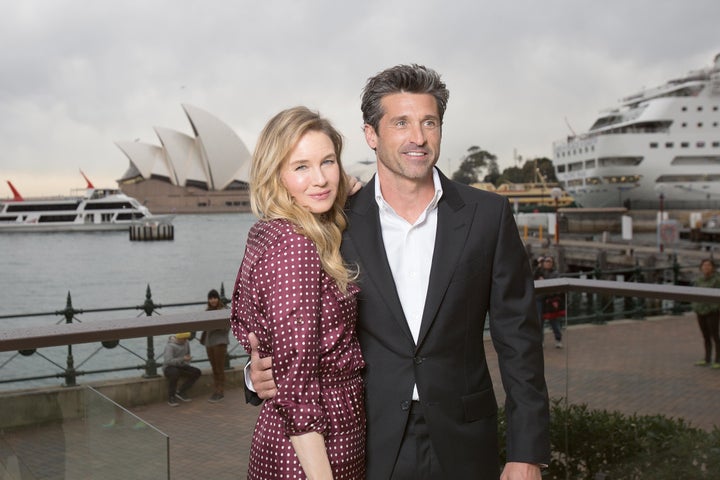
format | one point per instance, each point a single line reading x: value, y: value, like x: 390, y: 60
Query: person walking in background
x: 708, y: 315
x: 296, y: 295
x: 176, y: 364
x: 216, y: 342
x: 435, y: 257
x: 552, y: 306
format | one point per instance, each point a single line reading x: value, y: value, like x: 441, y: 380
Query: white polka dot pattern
x: 307, y: 324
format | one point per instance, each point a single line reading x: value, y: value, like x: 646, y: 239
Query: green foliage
x: 473, y: 163
x: 590, y: 444
x: 528, y: 173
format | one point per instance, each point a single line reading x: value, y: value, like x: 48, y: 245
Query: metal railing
x: 126, y: 329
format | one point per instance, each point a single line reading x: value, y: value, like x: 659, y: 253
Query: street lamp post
x: 556, y: 193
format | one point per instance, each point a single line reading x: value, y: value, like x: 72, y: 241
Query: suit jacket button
x: 418, y: 360
x: 405, y: 406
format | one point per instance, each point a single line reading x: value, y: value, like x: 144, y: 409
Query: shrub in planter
x: 598, y: 444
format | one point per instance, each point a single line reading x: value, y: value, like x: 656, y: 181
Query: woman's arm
x: 310, y: 450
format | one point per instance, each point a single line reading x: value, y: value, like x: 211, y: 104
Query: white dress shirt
x: 409, y: 248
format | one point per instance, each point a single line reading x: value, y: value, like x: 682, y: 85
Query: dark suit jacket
x: 479, y: 267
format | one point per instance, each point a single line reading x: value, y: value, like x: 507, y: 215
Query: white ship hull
x: 662, y: 145
x: 99, y: 210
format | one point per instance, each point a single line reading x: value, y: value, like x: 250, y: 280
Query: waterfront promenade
x: 643, y: 366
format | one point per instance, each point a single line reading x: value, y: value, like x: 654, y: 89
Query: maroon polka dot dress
x: 307, y: 324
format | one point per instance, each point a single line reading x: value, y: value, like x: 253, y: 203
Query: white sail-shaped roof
x: 148, y: 159
x: 212, y: 159
x: 182, y: 152
x: 220, y: 147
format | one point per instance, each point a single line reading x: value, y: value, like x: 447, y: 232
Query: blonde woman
x: 294, y: 292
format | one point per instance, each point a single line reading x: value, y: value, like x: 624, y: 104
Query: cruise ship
x: 658, y: 148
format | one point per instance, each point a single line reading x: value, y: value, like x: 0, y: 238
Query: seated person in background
x: 177, y: 364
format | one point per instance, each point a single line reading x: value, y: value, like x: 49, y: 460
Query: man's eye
x: 401, y: 123
x: 430, y: 123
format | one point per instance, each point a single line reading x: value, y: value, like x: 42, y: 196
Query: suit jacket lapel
x: 453, y: 225
x: 365, y: 234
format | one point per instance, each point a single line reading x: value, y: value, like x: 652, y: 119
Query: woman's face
x: 311, y: 173
x: 213, y: 302
x: 707, y: 268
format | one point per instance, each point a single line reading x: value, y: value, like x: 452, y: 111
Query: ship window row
x: 108, y: 206
x: 130, y: 216
x: 698, y: 144
x: 699, y: 124
x: 56, y: 218
x: 603, y: 162
x: 615, y: 179
x: 51, y: 207
x: 576, y: 151
x: 622, y: 179
x: 688, y: 178
x: 700, y: 108
x: 661, y: 126
x: 696, y: 160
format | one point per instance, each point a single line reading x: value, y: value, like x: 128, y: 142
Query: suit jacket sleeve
x: 517, y: 337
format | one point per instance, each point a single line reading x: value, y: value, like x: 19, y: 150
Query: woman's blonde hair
x: 270, y: 199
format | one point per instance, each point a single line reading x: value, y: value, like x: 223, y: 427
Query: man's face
x: 407, y: 142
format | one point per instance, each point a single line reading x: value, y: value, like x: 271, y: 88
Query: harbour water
x: 106, y: 269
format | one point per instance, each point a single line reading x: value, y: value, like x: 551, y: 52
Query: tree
x: 493, y: 172
x: 528, y: 173
x: 472, y: 165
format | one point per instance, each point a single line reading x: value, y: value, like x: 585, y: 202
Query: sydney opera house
x: 204, y: 173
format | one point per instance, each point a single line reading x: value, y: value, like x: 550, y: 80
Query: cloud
x: 82, y: 74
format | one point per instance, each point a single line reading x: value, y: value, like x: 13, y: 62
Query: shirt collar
x: 433, y: 203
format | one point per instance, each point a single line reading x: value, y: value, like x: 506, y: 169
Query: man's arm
x: 259, y: 381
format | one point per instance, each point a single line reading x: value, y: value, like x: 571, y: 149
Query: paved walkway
x: 641, y: 366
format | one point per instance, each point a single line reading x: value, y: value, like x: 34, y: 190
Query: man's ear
x: 370, y: 136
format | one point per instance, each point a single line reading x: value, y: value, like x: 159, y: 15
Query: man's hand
x: 354, y: 184
x: 261, y: 374
x: 520, y: 471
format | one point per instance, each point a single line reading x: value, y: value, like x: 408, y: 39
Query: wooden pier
x: 152, y: 231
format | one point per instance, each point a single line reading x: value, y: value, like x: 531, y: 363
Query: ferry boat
x: 531, y: 197
x: 97, y: 209
x: 659, y: 148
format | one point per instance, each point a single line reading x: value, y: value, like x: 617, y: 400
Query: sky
x: 76, y: 76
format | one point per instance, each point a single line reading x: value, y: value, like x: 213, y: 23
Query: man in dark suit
x: 435, y: 258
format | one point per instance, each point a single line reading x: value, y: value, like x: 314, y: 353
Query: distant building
x: 207, y: 173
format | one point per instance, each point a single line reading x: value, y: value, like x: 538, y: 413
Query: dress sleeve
x: 290, y: 283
